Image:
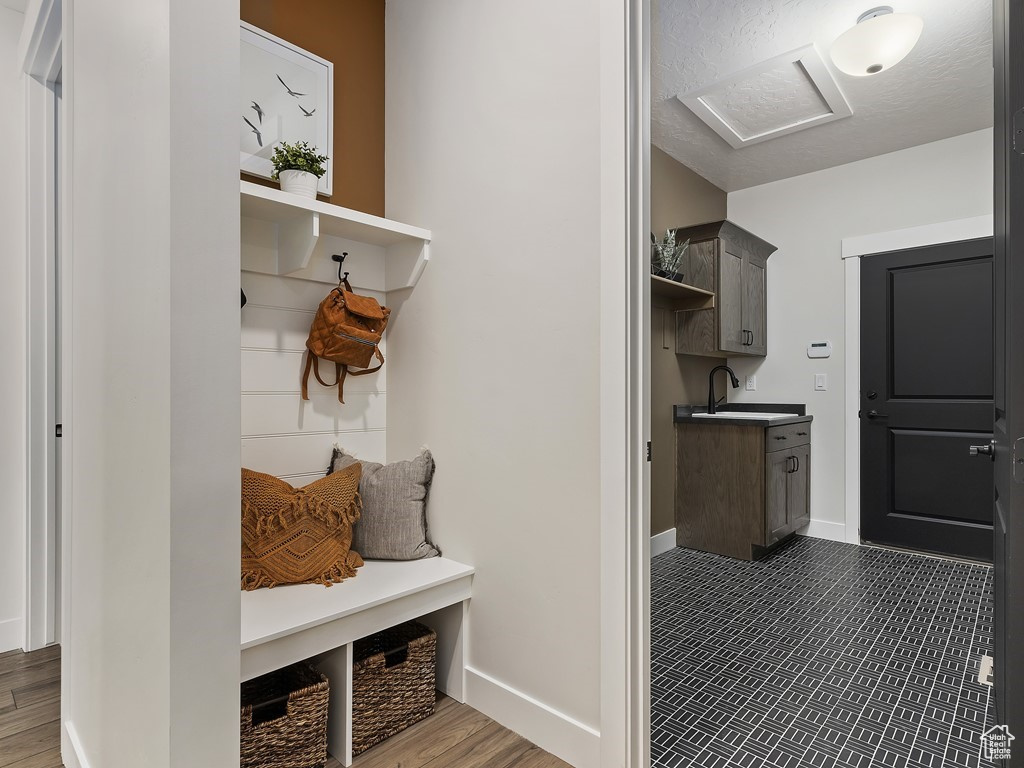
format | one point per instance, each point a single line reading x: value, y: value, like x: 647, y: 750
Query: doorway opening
x: 773, y: 646
x: 45, y: 359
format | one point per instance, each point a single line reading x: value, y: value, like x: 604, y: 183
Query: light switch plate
x: 751, y: 383
x: 820, y: 382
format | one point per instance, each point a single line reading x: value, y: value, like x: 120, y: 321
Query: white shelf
x: 289, y: 623
x: 281, y: 233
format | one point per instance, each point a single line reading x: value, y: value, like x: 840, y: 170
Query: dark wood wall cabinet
x: 741, y: 489
x: 733, y: 264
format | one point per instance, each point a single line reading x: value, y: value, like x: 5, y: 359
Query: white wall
x: 493, y: 142
x: 151, y: 638
x: 12, y: 319
x: 807, y: 217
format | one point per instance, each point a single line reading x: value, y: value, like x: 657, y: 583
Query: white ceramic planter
x: 298, y: 183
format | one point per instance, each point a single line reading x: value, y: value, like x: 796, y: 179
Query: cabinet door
x: 729, y: 299
x: 798, y: 492
x: 755, y: 307
x: 777, y: 471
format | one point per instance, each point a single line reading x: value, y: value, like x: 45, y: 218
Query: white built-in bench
x: 286, y: 624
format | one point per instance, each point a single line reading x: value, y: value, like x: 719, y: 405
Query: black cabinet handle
x: 801, y: 434
x: 748, y: 338
x: 797, y: 458
x: 780, y: 437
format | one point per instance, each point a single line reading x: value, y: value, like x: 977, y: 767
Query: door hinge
x: 648, y: 450
x: 60, y: 430
x: 1017, y: 458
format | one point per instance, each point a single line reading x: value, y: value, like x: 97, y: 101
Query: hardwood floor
x: 30, y: 709
x: 455, y: 736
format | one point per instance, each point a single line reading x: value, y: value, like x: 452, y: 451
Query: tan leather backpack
x: 346, y: 331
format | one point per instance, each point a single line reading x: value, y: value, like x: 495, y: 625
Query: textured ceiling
x: 942, y: 89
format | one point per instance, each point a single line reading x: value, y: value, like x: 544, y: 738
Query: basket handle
x: 272, y: 709
x: 396, y: 656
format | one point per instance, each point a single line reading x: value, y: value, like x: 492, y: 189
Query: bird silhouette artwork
x: 309, y: 113
x: 294, y: 94
x: 259, y: 136
x: 259, y: 111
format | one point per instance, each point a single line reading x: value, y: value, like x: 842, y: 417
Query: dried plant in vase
x: 667, y: 256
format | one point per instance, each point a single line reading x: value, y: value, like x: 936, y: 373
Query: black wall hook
x: 340, y: 258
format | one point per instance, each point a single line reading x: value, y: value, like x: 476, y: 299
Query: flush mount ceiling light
x: 880, y: 40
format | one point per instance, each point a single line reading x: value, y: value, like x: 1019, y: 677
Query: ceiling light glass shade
x: 876, y: 44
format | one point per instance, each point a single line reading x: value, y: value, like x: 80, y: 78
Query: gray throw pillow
x: 393, y: 525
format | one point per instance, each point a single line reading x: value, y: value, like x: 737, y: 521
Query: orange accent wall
x: 349, y: 33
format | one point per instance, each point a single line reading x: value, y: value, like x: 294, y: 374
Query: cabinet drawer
x: 787, y: 436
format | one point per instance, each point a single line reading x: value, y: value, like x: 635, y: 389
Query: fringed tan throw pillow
x: 299, y: 535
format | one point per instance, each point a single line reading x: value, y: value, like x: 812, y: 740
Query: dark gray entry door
x: 1008, y: 61
x: 927, y: 379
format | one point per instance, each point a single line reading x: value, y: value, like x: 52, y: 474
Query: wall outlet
x: 751, y: 383
x: 820, y: 382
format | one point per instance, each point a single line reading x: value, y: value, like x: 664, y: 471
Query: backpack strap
x: 313, y: 363
x: 340, y: 372
x: 305, y: 374
x: 370, y: 370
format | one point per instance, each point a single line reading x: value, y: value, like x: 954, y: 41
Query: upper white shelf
x: 269, y: 204
x: 297, y: 224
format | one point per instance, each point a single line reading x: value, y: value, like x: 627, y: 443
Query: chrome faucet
x: 711, y: 385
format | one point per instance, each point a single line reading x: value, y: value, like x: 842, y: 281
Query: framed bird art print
x: 287, y: 95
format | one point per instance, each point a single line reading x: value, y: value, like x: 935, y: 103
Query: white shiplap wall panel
x: 288, y: 414
x: 271, y: 370
x: 274, y: 327
x: 282, y: 434
x: 272, y: 290
x: 295, y: 454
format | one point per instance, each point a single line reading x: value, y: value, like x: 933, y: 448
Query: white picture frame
x: 287, y: 94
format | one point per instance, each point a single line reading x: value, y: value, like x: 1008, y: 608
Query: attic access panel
x: 782, y: 95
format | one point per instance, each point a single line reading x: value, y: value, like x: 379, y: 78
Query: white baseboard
x: 71, y: 752
x: 822, y: 529
x: 551, y: 730
x: 11, y: 635
x: 663, y: 542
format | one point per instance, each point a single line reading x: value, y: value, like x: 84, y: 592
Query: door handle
x: 876, y: 415
x: 984, y: 450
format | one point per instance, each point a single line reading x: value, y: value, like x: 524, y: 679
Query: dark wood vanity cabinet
x: 787, y: 483
x: 733, y: 263
x: 740, y: 490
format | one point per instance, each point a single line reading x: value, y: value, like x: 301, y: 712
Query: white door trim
x: 853, y: 249
x: 40, y: 54
x: 625, y: 375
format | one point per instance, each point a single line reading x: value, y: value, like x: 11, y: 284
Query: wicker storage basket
x: 392, y: 682
x: 284, y: 719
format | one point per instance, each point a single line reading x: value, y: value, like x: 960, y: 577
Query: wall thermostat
x: 819, y: 349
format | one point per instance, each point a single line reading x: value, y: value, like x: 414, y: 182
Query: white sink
x: 743, y: 415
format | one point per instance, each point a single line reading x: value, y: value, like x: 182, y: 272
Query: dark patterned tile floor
x: 823, y: 654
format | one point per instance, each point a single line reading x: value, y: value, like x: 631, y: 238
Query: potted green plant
x: 298, y: 167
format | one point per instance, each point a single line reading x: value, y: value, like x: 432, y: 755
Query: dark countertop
x: 683, y: 414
